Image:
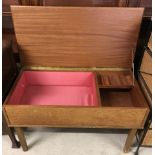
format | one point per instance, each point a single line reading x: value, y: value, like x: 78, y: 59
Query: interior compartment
x: 55, y: 88
x: 122, y: 98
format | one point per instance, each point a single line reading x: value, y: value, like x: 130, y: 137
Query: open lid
x: 76, y: 36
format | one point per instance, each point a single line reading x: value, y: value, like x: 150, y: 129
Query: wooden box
x: 77, y: 69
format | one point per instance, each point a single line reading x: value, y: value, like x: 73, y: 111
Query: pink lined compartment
x: 55, y: 88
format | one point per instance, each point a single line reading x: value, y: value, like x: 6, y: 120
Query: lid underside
x: 76, y: 36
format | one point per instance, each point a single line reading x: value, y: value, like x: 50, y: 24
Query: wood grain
x: 76, y: 36
x: 103, y: 3
x: 31, y: 2
x: 48, y: 116
x: 115, y: 79
x: 123, y: 98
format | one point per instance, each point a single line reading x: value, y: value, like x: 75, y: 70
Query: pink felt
x: 55, y: 88
x: 59, y: 78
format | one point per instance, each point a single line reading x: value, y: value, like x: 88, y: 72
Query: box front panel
x: 75, y: 117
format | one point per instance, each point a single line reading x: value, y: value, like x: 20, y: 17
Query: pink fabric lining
x: 55, y: 88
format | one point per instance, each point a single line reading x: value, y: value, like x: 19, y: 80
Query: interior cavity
x: 55, y: 88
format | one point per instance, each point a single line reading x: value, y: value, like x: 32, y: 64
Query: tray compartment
x: 123, y: 98
x: 55, y: 88
x: 115, y: 79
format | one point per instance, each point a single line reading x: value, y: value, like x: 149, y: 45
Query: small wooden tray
x: 115, y: 79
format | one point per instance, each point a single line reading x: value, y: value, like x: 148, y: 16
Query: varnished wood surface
x: 76, y: 36
x: 115, y: 79
x: 104, y: 3
x: 21, y: 138
x: 115, y: 115
x: 10, y: 132
x: 123, y: 98
x: 129, y: 140
x: 48, y: 116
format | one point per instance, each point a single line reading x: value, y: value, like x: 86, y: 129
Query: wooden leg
x: 15, y: 143
x: 10, y: 132
x: 129, y: 140
x: 21, y: 138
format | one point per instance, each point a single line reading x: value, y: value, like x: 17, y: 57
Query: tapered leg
x: 129, y: 140
x: 15, y: 143
x: 10, y: 132
x: 21, y: 138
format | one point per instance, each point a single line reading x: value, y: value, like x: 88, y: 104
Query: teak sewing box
x: 77, y: 71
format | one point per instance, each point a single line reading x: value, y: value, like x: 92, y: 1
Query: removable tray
x: 115, y: 79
